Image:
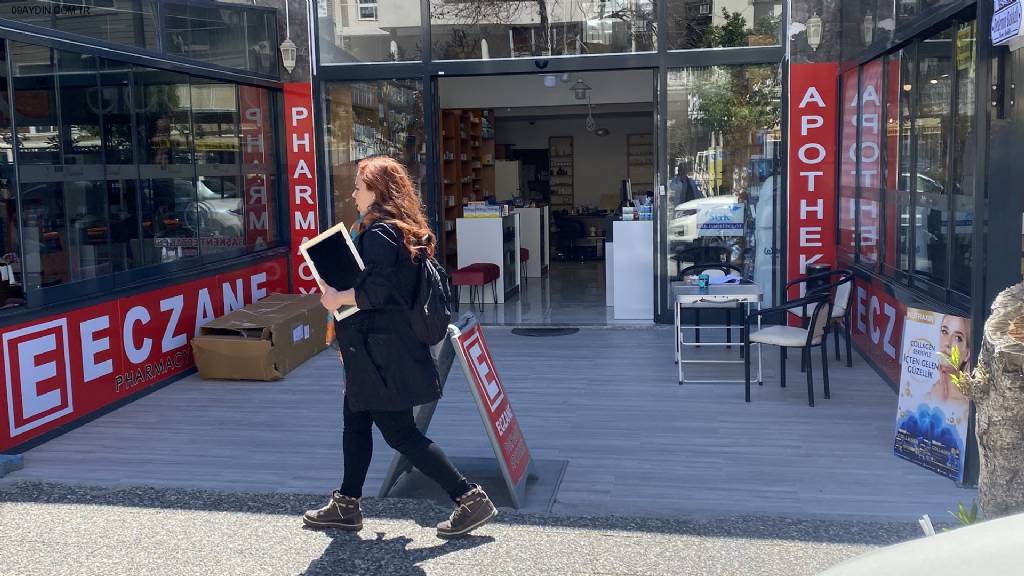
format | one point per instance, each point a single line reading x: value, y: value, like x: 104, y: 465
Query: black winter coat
x: 386, y: 365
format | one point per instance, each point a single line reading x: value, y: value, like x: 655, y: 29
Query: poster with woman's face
x: 931, y: 423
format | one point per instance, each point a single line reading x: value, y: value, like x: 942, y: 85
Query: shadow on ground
x: 354, y: 553
x: 428, y: 514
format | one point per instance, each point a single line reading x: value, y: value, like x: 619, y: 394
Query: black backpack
x: 431, y: 310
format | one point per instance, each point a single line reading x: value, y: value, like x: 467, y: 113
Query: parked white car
x: 683, y: 225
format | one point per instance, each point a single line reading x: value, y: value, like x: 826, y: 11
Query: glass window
x: 869, y: 156
x: 367, y: 9
x: 848, y: 167
x: 223, y: 35
x: 965, y: 158
x: 261, y: 42
x: 707, y: 24
x: 906, y: 10
x: 123, y: 167
x: 11, y: 277
x: 85, y: 194
x: 932, y: 141
x: 120, y: 170
x: 218, y: 151
x: 370, y: 31
x: 865, y: 23
x: 208, y: 33
x: 36, y: 119
x: 128, y: 22
x: 168, y: 196
x: 723, y: 151
x: 500, y: 29
x: 893, y: 232
x: 259, y: 180
x: 905, y: 185
x: 375, y: 118
x: 35, y: 105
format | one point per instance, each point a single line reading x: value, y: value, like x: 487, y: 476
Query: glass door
x: 722, y: 158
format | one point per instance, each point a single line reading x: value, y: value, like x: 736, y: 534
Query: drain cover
x: 544, y: 331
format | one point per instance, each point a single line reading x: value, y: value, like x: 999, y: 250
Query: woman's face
x: 954, y: 333
x: 363, y: 196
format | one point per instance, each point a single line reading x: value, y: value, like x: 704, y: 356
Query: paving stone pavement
x: 49, y: 529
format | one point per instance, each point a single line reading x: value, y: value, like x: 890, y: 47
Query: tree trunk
x: 998, y: 394
x: 542, y: 7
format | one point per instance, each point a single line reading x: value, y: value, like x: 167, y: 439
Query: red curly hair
x: 397, y: 203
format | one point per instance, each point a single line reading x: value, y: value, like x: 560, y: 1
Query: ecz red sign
x: 498, y: 413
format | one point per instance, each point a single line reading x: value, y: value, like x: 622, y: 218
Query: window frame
x: 367, y: 4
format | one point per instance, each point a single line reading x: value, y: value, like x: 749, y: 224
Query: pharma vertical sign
x: 302, y: 193
x: 812, y: 160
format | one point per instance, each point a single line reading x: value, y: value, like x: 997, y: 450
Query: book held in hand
x: 333, y: 259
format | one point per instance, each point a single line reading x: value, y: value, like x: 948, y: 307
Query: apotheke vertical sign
x: 812, y: 154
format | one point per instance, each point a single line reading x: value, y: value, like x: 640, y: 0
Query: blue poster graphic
x: 931, y: 422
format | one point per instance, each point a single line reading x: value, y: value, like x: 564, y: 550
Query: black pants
x: 400, y: 432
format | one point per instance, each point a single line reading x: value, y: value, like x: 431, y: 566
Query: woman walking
x: 388, y: 370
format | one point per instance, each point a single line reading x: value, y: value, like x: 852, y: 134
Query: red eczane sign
x: 60, y: 368
x: 878, y: 325
x: 302, y: 192
x: 500, y: 418
x: 812, y: 166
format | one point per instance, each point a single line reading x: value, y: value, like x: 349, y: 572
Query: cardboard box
x: 263, y: 341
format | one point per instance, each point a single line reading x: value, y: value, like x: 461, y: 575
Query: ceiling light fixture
x: 581, y: 89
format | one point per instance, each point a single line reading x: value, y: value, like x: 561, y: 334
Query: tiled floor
x: 572, y: 293
x: 605, y: 400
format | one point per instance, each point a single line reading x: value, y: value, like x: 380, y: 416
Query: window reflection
x: 215, y: 120
x: 85, y: 194
x: 848, y: 166
x: 43, y: 220
x: 370, y: 119
x: 904, y: 184
x: 894, y: 237
x: 496, y: 29
x: 869, y: 156
x: 707, y: 24
x: 258, y: 181
x: 964, y: 158
x: 932, y: 145
x: 222, y: 35
x: 129, y: 22
x: 11, y: 275
x: 370, y: 31
x: 124, y: 167
x: 724, y: 165
x: 169, y: 207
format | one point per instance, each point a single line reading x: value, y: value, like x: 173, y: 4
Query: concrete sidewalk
x: 48, y: 529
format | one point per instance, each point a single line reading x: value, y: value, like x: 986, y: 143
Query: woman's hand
x: 332, y: 299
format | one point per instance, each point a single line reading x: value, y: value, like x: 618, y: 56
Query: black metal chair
x: 819, y: 305
x: 725, y: 269
x: 569, y: 231
x: 701, y: 254
x: 840, y: 284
